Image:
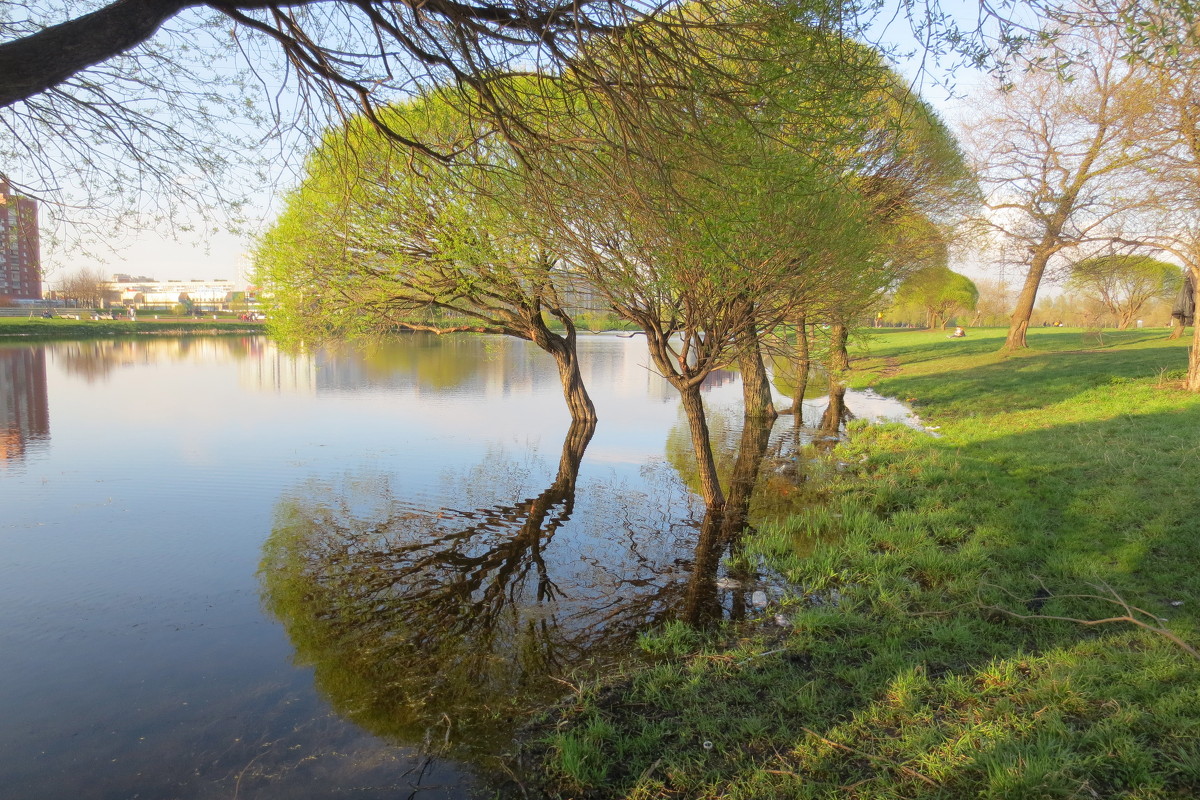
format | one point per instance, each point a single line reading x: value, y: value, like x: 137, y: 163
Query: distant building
x: 20, y: 250
x: 142, y: 292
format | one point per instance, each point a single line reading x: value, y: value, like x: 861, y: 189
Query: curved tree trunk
x: 578, y: 401
x: 1019, y: 322
x: 1176, y: 329
x: 756, y: 388
x: 693, y: 407
x: 566, y: 356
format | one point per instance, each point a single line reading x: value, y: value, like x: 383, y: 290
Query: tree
x: 1169, y: 213
x: 153, y: 111
x: 1052, y: 157
x: 86, y: 287
x: 1125, y: 283
x: 377, y: 239
x: 941, y: 292
x: 153, y: 106
x: 689, y: 225
x: 996, y: 299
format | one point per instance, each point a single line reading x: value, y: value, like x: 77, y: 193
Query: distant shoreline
x: 37, y: 328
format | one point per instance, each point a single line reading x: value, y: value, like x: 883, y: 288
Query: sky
x: 166, y: 255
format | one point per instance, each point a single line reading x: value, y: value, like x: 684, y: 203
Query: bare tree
x: 996, y: 299
x: 86, y: 287
x: 1170, y: 191
x: 1052, y: 158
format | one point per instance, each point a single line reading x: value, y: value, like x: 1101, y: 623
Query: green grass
x: 1059, y: 473
x: 70, y: 328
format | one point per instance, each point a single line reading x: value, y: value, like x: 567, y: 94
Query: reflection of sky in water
x: 134, y: 648
x: 866, y: 404
x: 135, y: 652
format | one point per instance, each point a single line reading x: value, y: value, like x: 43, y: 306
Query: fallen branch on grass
x: 1130, y: 616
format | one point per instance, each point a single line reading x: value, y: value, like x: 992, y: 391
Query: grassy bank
x: 935, y: 643
x: 71, y: 328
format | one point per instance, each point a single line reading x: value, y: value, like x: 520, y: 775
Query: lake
x: 226, y: 571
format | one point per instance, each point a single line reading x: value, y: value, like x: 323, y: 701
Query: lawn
x: 70, y: 328
x: 944, y: 634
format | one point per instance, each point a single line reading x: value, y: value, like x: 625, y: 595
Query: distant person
x: 959, y: 333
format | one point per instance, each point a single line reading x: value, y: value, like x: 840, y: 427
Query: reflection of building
x: 20, y: 256
x: 24, y: 401
x: 267, y: 368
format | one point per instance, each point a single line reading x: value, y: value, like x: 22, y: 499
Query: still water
x: 230, y: 572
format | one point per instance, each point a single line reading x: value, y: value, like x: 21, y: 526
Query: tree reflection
x: 721, y: 529
x: 94, y: 360
x: 836, y: 413
x: 446, y: 627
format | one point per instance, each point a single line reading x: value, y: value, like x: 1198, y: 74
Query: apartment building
x: 20, y: 251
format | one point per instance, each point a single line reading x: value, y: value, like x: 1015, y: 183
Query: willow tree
x: 915, y: 188
x: 689, y: 223
x: 377, y: 239
x: 1124, y: 283
x: 940, y: 292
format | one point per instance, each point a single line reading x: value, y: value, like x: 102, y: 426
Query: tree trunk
x: 693, y: 407
x: 756, y: 388
x: 756, y: 435
x: 566, y: 356
x: 578, y: 401
x: 1176, y: 329
x: 803, y: 363
x: 836, y: 412
x: 1193, y: 373
x: 1019, y: 322
x: 839, y: 356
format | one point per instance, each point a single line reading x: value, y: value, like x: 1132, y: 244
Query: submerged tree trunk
x: 836, y: 412
x: 1019, y: 322
x: 693, y: 407
x: 756, y: 388
x: 803, y: 363
x: 756, y: 435
x: 702, y: 601
x: 722, y: 528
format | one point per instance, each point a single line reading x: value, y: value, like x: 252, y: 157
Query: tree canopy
x: 1124, y: 283
x: 940, y: 292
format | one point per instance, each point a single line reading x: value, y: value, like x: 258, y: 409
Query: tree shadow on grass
x: 924, y: 346
x: 1034, y: 381
x: 923, y: 679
